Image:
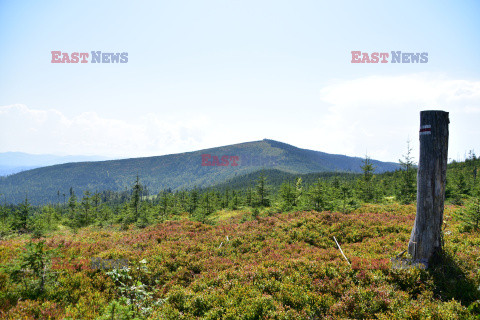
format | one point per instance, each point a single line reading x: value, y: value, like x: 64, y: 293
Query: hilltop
x: 175, y: 171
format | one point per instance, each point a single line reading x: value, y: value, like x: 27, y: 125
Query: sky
x: 203, y: 74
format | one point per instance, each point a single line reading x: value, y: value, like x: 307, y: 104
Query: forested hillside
x: 272, y: 190
x: 175, y: 172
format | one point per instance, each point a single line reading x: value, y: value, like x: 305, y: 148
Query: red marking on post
x: 425, y: 129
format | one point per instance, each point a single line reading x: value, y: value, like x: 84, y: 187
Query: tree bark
x: 426, y: 238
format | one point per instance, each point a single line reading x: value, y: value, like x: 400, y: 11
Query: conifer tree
x: 207, y: 203
x: 461, y: 184
x: 298, y: 191
x: 288, y: 195
x: 345, y: 193
x: 183, y: 201
x: 366, y: 183
x: 226, y: 198
x: 164, y: 203
x: 136, y: 198
x: 317, y: 194
x: 193, y: 201
x: 262, y: 191
x: 4, y: 213
x: 249, y: 197
x: 407, y: 189
x: 470, y: 215
x: 86, y: 206
x: 22, y: 214
x: 74, y: 219
x: 96, y: 200
x: 235, y: 201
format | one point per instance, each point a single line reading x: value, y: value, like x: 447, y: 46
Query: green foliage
x: 462, y: 181
x: 85, y: 217
x: 6, y: 226
x: 207, y: 203
x: 262, y: 191
x: 345, y: 192
x: 136, y: 198
x: 275, y: 190
x: 275, y: 266
x: 318, y: 196
x: 261, y: 249
x: 134, y: 298
x: 367, y: 187
x: 470, y: 216
x: 407, y: 187
x: 119, y: 310
x: 165, y: 202
x: 193, y: 201
x: 177, y: 171
x: 73, y: 221
x: 288, y: 196
x: 31, y: 269
x: 22, y: 214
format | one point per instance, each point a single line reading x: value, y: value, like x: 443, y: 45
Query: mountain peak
x: 175, y: 171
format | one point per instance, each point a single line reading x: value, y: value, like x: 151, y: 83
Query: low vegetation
x: 261, y: 252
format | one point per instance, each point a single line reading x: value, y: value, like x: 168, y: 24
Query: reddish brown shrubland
x: 284, y: 266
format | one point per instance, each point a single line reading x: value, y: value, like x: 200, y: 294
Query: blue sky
x: 207, y: 73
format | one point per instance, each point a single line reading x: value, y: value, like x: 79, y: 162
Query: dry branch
x: 340, y: 249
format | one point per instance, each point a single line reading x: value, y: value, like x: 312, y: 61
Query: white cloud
x: 374, y: 114
x: 50, y: 131
x: 378, y: 114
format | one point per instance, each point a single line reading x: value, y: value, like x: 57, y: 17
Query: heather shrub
x: 283, y: 266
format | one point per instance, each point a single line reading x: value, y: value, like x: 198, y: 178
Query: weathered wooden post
x: 426, y: 237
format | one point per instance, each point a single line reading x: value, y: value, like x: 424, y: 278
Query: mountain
x: 13, y: 162
x: 275, y: 178
x: 175, y: 171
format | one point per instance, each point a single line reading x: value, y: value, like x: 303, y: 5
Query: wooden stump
x: 426, y: 237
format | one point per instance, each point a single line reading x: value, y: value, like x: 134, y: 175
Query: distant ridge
x: 174, y: 171
x: 13, y: 162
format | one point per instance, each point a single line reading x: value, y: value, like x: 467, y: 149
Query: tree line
x: 332, y: 192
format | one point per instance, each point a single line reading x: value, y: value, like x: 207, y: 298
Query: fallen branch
x: 341, y: 249
x: 222, y: 243
x: 400, y: 254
